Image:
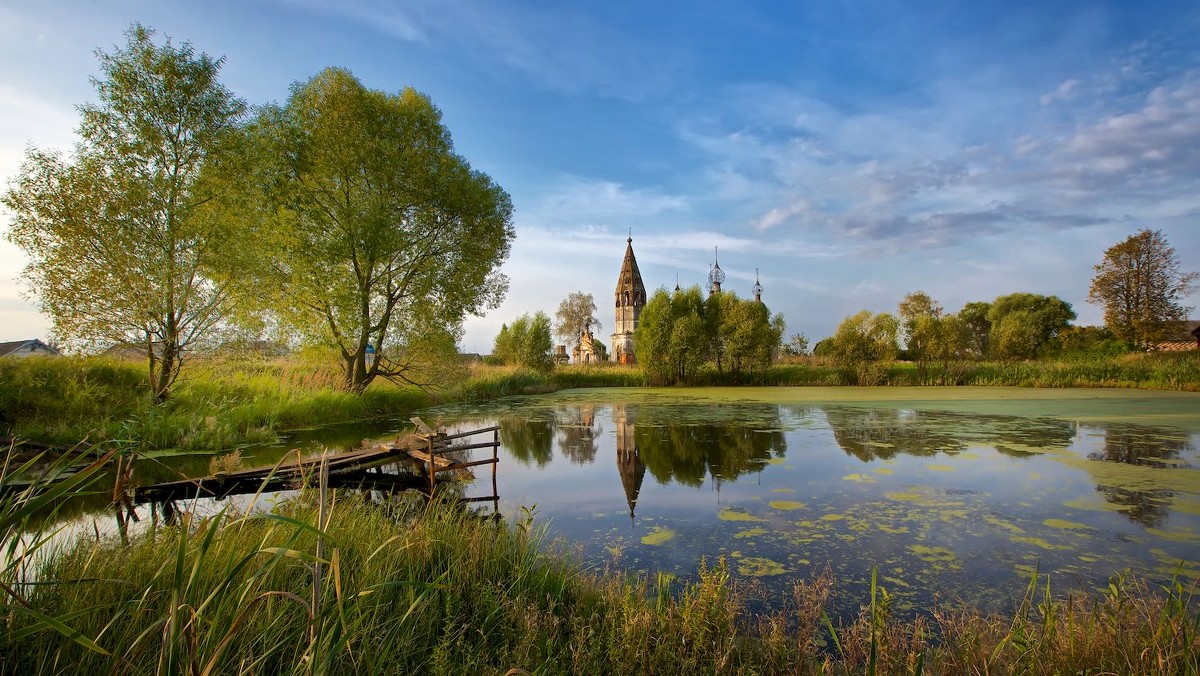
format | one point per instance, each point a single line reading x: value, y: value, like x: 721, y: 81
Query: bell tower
x: 630, y: 298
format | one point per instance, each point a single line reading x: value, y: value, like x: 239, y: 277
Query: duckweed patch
x: 1066, y: 525
x: 787, y: 505
x: 933, y: 554
x: 660, y: 535
x: 860, y: 478
x: 737, y: 514
x: 751, y: 532
x: 759, y: 566
x: 1037, y: 542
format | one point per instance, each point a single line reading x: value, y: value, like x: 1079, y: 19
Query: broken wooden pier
x: 430, y: 456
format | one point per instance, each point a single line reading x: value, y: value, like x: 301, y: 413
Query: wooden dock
x: 364, y: 468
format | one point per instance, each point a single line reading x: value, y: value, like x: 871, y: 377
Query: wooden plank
x: 470, y: 433
x: 464, y: 465
x: 425, y: 457
x: 422, y: 428
x: 464, y: 447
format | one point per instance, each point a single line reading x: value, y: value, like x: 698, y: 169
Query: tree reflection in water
x: 1135, y: 445
x: 884, y: 433
x: 577, y: 432
x: 687, y: 452
x: 529, y: 437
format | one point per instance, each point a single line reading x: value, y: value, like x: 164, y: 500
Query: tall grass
x: 409, y: 589
x: 215, y: 405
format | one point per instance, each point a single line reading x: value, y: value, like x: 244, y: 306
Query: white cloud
x: 1066, y: 91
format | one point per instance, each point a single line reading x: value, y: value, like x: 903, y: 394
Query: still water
x: 953, y: 494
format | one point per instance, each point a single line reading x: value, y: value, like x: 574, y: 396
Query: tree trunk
x: 357, y: 374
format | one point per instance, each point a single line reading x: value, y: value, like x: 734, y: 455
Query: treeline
x: 941, y: 344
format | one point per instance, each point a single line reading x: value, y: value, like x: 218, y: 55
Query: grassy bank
x: 405, y: 589
x: 215, y: 405
x: 220, y: 404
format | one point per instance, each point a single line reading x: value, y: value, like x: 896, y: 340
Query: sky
x: 850, y: 152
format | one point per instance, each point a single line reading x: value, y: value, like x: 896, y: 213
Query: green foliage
x: 370, y: 230
x: 672, y: 338
x: 1086, y: 342
x: 1140, y: 284
x: 575, y: 315
x: 864, y: 347
x: 679, y: 333
x: 979, y: 328
x: 939, y: 344
x: 525, y: 343
x: 121, y: 236
x: 1023, y: 323
x: 796, y: 346
x: 748, y: 338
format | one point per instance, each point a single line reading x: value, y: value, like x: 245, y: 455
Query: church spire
x: 716, y: 275
x: 757, y: 288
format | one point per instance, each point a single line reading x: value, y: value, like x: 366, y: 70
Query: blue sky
x: 852, y: 151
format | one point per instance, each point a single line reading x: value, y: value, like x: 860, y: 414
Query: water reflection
x: 686, y: 454
x: 577, y: 432
x: 1138, y: 445
x: 529, y: 438
x: 883, y: 434
x: 1144, y: 447
x: 629, y: 457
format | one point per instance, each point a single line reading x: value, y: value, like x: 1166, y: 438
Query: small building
x: 1181, y: 336
x: 585, y: 352
x: 28, y: 348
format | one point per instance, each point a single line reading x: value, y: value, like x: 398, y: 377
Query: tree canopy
x: 1140, y: 284
x: 526, y: 342
x: 864, y: 346
x: 370, y: 232
x: 575, y: 314
x: 679, y: 332
x: 1023, y: 323
x: 121, y: 236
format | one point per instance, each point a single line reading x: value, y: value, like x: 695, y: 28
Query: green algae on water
x: 660, y: 535
x: 787, y: 505
x: 737, y: 514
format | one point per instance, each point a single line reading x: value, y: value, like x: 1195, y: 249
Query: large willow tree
x: 372, y: 235
x: 120, y: 235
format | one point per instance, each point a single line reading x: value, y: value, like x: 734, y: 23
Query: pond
x: 948, y: 493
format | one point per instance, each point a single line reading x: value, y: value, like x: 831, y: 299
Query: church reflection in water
x: 629, y: 459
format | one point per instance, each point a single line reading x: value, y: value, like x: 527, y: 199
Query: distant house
x: 266, y: 349
x: 27, y: 348
x: 1181, y: 337
x: 130, y: 351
